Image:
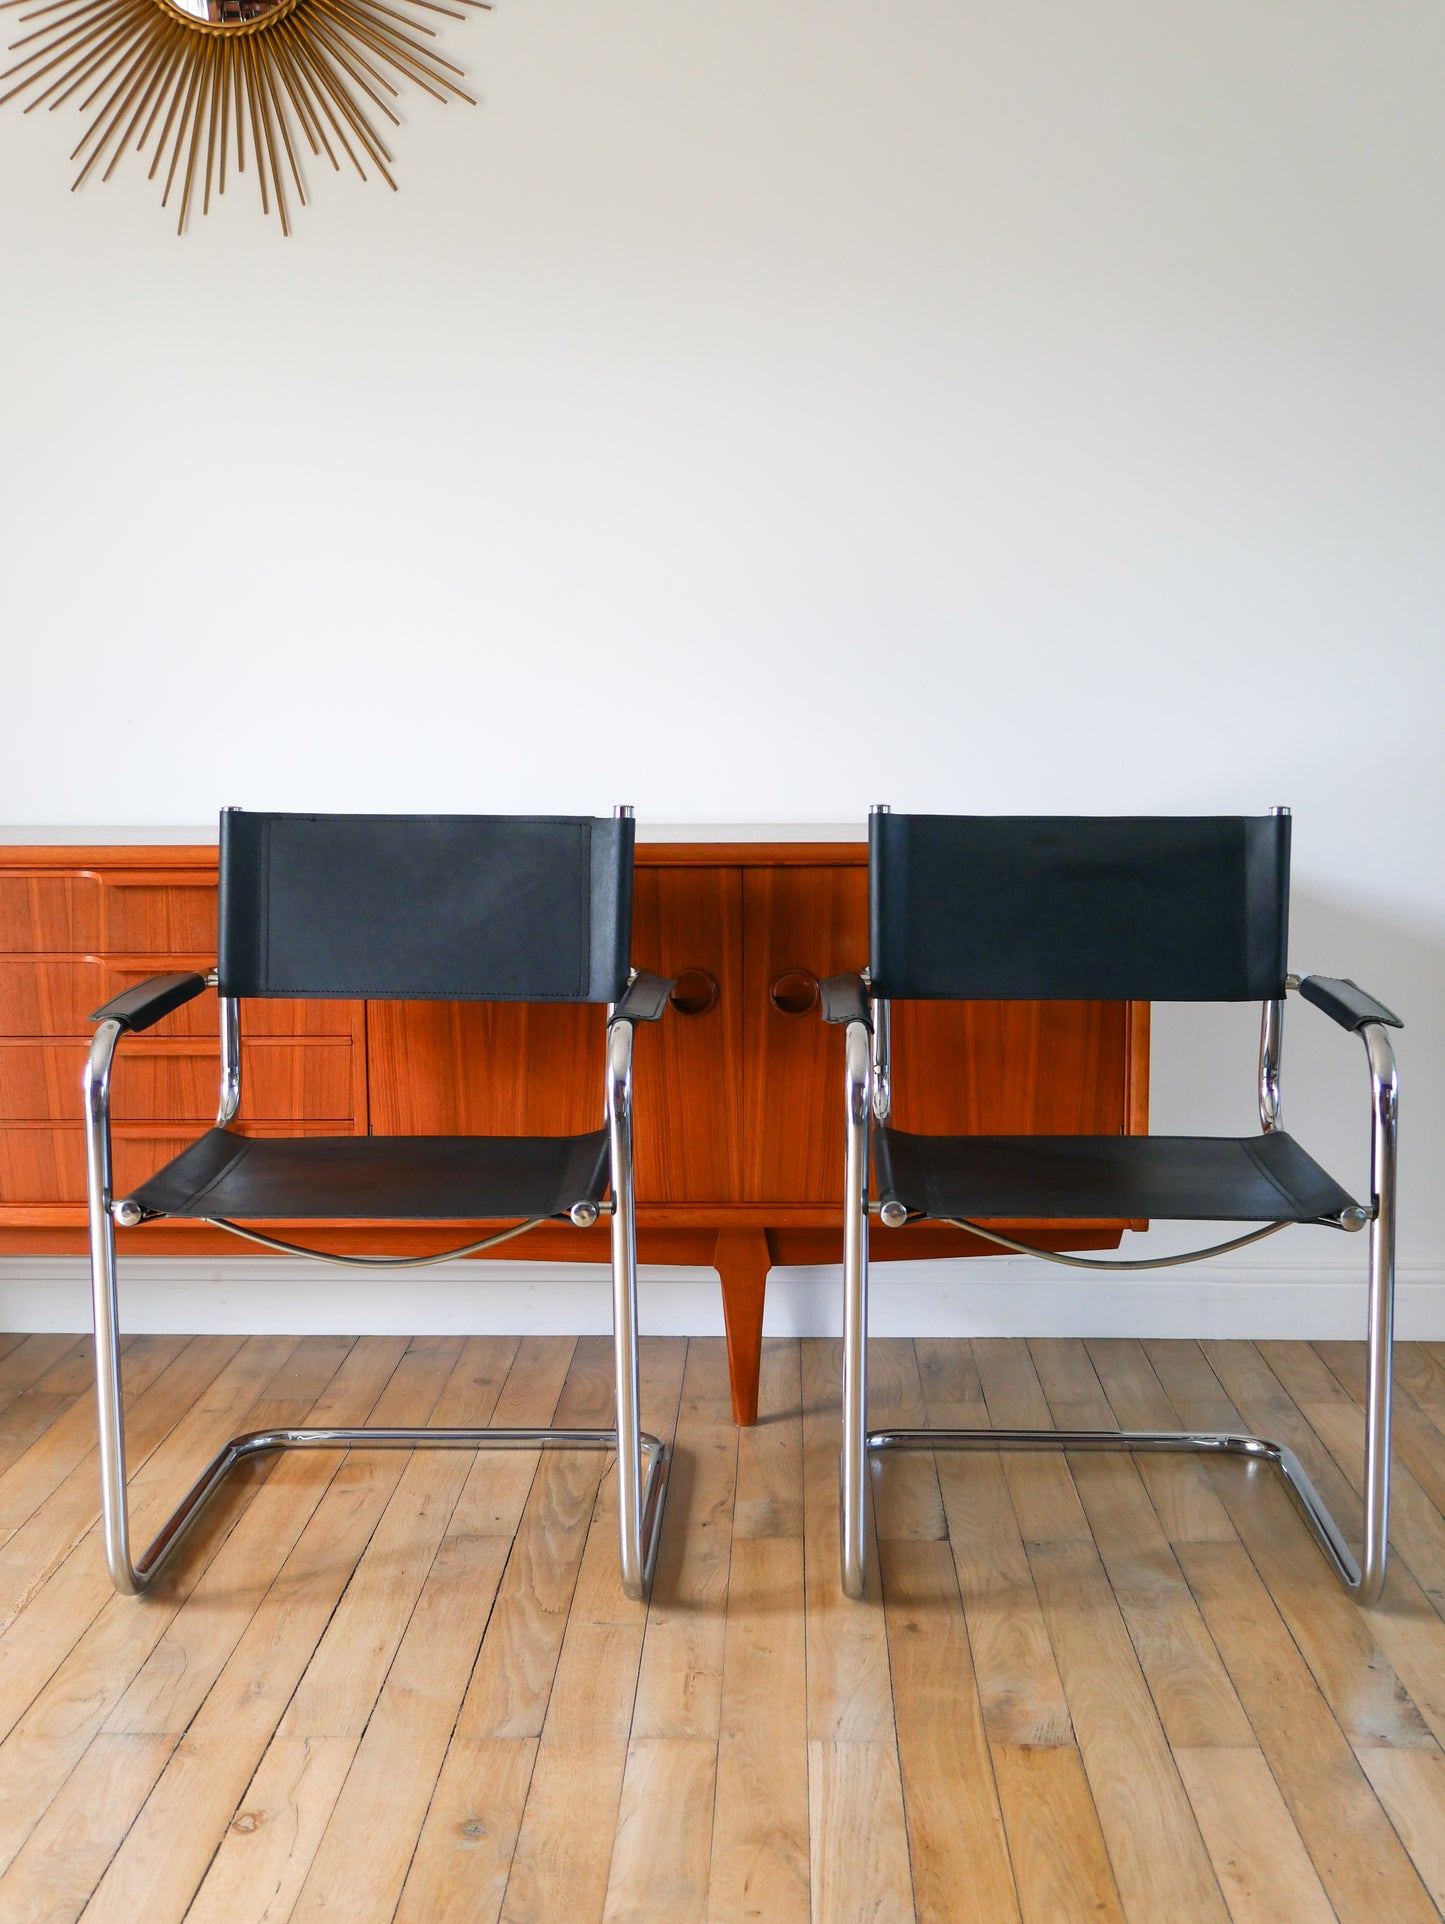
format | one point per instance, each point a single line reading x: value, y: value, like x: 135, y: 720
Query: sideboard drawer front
x: 54, y: 996
x: 46, y: 912
x: 177, y: 1080
x: 45, y: 1162
x: 159, y: 914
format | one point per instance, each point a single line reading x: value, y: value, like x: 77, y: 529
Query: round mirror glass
x: 227, y: 13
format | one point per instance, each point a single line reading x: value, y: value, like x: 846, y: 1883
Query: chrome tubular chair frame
x: 1364, y: 1577
x: 640, y: 1498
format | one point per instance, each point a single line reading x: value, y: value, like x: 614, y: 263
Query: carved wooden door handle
x: 794, y: 992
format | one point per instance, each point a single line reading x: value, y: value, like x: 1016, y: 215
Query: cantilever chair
x: 1154, y: 909
x: 485, y: 908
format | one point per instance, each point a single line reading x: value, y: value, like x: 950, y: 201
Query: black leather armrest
x: 147, y: 1002
x: 1345, y: 1002
x: 846, y: 1000
x: 644, y: 998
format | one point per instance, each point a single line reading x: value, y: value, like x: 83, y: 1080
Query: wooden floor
x: 407, y: 1686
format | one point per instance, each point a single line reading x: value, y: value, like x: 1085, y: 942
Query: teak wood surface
x: 738, y: 1089
x: 382, y: 1686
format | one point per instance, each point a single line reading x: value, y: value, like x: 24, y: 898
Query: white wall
x: 1073, y: 368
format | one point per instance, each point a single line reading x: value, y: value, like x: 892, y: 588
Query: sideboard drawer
x: 40, y: 912
x: 160, y: 914
x: 177, y: 1080
x: 54, y: 995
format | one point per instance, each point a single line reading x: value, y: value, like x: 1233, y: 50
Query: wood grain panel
x: 160, y: 914
x: 1009, y: 1068
x: 484, y: 1068
x: 688, y: 1069
x: 814, y: 920
x: 53, y: 995
x: 39, y: 912
x: 177, y: 1080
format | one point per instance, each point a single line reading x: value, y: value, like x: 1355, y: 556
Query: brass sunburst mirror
x: 193, y: 72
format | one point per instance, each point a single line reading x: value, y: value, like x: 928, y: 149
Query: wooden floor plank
x: 1044, y: 1499
x: 464, y: 1853
x: 663, y: 1844
x: 849, y: 1699
x: 1160, y: 1864
x: 760, y: 1813
x: 906, y: 1500
x: 1192, y: 1693
x: 269, y: 1844
x: 66, y: 1854
x: 860, y: 1871
x: 1197, y: 1703
x: 955, y: 1827
x: 1070, y: 1383
x: 759, y: 1858
x: 858, y: 1835
x: 1262, y: 1864
x: 1060, y: 1863
x: 1351, y: 1843
x: 1188, y: 1506
x: 679, y: 1688
x: 398, y: 1593
x: 769, y: 1501
x: 28, y: 1358
x: 1018, y: 1680
x: 363, y: 1858
x: 1411, y: 1786
x: 564, y: 1846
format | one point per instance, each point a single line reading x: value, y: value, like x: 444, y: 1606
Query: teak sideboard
x: 739, y: 1088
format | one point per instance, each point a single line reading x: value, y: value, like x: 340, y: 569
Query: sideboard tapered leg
x: 742, y: 1260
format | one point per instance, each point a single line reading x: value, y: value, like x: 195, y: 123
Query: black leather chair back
x: 1153, y: 908
x: 494, y: 908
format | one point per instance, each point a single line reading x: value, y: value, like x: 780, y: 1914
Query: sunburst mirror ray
x: 278, y: 76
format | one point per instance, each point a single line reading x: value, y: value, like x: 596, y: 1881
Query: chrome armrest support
x: 1271, y: 1051
x: 230, y: 1061
x: 882, y: 1060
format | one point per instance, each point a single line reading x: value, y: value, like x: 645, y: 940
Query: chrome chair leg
x: 852, y: 1523
x: 640, y: 1507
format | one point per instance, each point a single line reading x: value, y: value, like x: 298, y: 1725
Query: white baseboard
x: 1002, y: 1296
